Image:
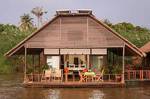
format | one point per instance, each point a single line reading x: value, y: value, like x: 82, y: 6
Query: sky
x: 133, y: 11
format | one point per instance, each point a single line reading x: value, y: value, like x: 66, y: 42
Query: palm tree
x: 26, y: 22
x: 38, y: 12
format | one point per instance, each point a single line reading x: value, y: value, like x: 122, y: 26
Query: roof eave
x: 13, y: 50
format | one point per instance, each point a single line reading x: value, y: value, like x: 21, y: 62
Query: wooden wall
x: 74, y: 32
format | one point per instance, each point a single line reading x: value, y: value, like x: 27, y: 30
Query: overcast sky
x: 134, y: 11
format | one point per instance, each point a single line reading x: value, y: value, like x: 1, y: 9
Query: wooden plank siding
x: 47, y: 37
x: 74, y: 32
x: 99, y: 36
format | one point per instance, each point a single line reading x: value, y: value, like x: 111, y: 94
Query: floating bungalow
x: 75, y: 49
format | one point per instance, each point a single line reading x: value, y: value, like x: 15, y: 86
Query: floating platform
x: 74, y: 85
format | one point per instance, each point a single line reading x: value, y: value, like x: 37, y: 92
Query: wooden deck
x: 108, y: 80
x: 74, y: 84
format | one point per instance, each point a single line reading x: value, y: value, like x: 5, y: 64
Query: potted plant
x: 45, y: 67
x: 117, y: 70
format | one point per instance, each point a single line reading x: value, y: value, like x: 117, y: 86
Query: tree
x: 26, y: 22
x: 38, y: 12
x: 106, y: 21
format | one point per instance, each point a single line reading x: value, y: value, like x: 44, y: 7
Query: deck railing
x: 129, y: 75
x: 112, y: 77
x: 137, y: 75
x: 105, y: 78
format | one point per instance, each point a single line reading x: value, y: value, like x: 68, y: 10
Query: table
x: 89, y: 76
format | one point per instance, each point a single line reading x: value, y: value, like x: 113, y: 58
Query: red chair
x: 82, y: 77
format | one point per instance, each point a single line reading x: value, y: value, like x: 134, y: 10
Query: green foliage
x: 113, y: 69
x: 5, y: 66
x: 26, y: 23
x: 10, y: 35
x: 30, y: 70
x: 135, y: 34
x: 45, y: 67
x: 117, y: 69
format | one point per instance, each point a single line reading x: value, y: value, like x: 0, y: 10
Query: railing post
x: 128, y: 74
x: 134, y: 74
x: 141, y: 74
x: 32, y: 77
x: 66, y: 77
x: 62, y: 78
x: 109, y: 77
x: 38, y: 77
x: 148, y: 74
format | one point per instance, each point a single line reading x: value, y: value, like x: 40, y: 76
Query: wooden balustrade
x: 137, y: 74
x: 33, y: 77
x: 105, y: 78
x: 112, y: 77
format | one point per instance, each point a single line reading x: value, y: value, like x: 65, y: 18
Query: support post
x: 25, y: 65
x: 33, y: 63
x: 123, y: 63
x: 88, y: 61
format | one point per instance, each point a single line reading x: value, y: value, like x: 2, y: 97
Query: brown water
x: 11, y: 88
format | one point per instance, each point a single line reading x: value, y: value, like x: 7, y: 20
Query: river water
x: 11, y: 88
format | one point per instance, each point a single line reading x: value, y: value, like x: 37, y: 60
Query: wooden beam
x: 39, y: 65
x: 123, y: 64
x: 88, y: 61
x: 25, y: 64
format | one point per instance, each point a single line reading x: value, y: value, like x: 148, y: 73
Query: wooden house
x: 73, y: 43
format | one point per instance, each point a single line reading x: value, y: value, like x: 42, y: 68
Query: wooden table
x: 89, y: 76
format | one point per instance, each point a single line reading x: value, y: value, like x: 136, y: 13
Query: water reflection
x: 10, y: 88
x: 97, y: 94
x: 52, y: 94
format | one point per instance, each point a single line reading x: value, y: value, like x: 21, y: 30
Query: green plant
x: 44, y: 67
x: 30, y: 70
x: 117, y: 69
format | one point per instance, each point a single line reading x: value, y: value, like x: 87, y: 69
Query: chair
x: 99, y: 77
x: 82, y: 77
x: 57, y: 75
x: 46, y: 76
